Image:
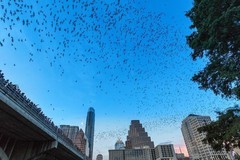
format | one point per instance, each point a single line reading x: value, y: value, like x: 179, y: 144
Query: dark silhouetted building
x: 89, y: 130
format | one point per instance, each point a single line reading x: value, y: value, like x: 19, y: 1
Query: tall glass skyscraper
x: 89, y: 130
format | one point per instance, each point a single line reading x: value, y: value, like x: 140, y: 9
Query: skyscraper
x: 89, y: 130
x: 193, y: 139
x: 138, y: 145
x: 138, y: 137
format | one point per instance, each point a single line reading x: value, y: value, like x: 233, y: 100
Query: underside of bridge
x: 21, y: 139
x: 19, y: 150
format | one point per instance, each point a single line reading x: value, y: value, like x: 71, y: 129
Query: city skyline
x: 139, y: 146
x: 137, y: 138
x: 126, y: 59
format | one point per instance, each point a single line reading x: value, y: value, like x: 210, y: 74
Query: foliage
x: 216, y: 37
x: 225, y: 131
x: 237, y: 157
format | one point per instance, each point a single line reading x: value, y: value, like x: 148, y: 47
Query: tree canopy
x: 216, y: 37
x: 225, y: 131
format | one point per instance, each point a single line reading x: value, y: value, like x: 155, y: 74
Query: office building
x: 89, y: 130
x: 138, y: 145
x: 165, y: 152
x: 193, y: 139
x: 99, y: 157
x: 140, y: 154
x: 132, y: 154
x: 116, y: 154
x: 138, y: 137
x: 70, y: 131
x: 81, y: 142
x: 77, y: 136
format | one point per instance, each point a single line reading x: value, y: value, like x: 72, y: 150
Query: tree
x: 216, y: 37
x: 225, y: 131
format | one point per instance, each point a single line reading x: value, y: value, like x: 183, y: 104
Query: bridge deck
x: 22, y: 121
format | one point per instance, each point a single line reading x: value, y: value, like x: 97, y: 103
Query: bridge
x: 26, y: 133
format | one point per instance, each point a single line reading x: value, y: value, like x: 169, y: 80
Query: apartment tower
x: 193, y: 139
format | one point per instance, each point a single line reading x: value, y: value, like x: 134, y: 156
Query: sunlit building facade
x: 89, y: 130
x: 193, y: 139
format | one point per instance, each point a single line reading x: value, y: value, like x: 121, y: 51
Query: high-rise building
x: 81, y: 142
x: 70, y: 131
x: 77, y: 136
x: 138, y: 145
x: 119, y: 144
x: 138, y: 137
x: 193, y: 139
x: 165, y: 152
x: 89, y: 130
x: 99, y: 157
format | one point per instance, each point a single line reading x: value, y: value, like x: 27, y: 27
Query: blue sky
x: 127, y: 59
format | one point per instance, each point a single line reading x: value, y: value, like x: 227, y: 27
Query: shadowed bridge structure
x: 26, y: 133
